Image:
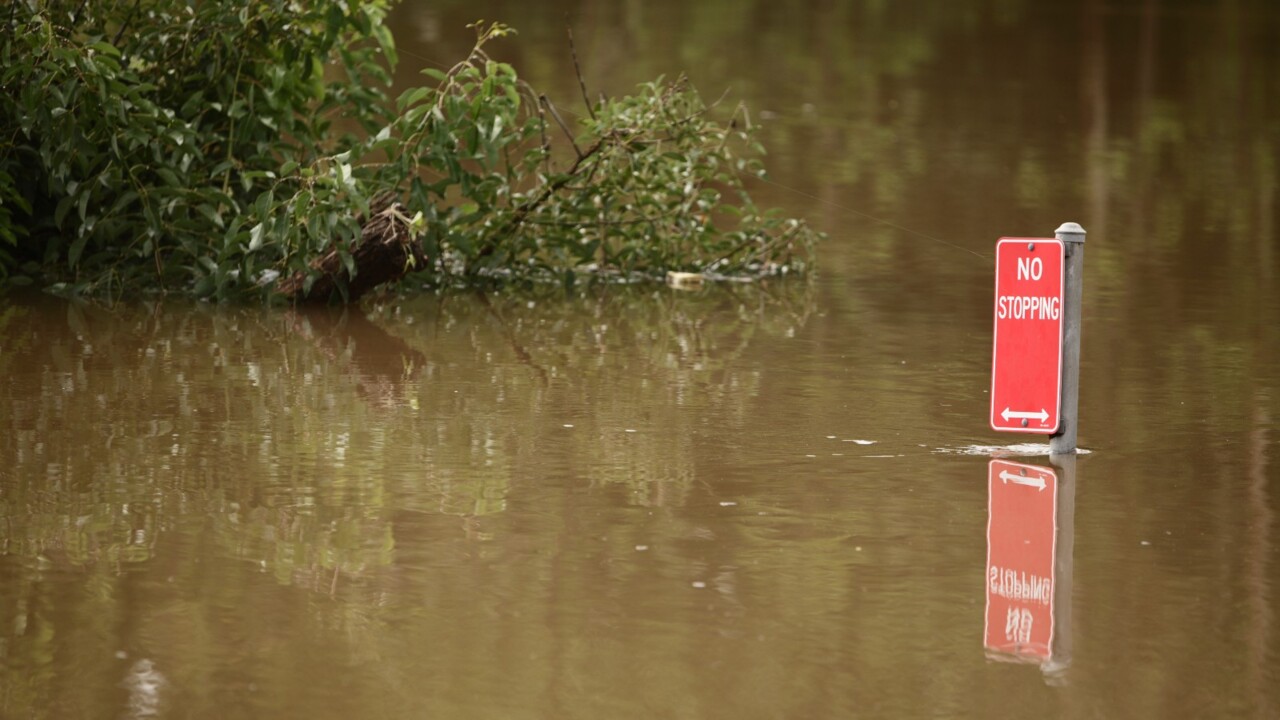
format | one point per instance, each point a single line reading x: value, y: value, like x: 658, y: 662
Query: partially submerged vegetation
x: 225, y: 149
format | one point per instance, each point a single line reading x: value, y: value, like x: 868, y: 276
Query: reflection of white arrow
x: 1041, y: 416
x: 1035, y: 482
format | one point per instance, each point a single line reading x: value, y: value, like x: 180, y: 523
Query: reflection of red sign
x: 1026, y: 357
x: 1021, y: 532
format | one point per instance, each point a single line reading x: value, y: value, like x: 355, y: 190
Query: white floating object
x: 629, y: 430
x: 641, y: 548
x: 568, y: 425
x: 862, y: 442
x: 727, y: 503
x: 699, y: 584
x: 684, y: 280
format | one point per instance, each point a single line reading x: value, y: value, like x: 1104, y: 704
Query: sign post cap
x: 1068, y: 229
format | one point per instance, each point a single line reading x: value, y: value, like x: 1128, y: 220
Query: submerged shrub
x: 162, y: 144
x: 137, y: 137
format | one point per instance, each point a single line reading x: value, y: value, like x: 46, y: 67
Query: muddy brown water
x: 766, y: 501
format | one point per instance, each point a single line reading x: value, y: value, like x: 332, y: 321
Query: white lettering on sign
x: 1030, y: 268
x: 1017, y: 625
x: 1016, y: 585
x: 1028, y: 307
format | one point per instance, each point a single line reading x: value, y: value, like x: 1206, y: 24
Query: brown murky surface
x: 746, y: 502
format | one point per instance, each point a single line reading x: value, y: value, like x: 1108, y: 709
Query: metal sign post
x: 1072, y: 237
x: 1063, y: 569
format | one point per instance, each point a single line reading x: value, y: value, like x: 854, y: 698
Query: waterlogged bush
x: 137, y: 138
x: 158, y: 144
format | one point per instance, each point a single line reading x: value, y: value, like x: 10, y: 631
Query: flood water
x: 751, y: 501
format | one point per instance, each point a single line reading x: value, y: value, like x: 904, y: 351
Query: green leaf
x: 77, y: 247
x: 60, y: 212
x: 210, y: 214
x: 126, y: 198
x: 105, y: 48
x: 383, y: 35
x: 412, y: 96
x: 83, y: 206
x: 255, y: 237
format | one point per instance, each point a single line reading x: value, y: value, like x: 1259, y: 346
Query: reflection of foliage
x: 300, y: 431
x: 186, y: 483
x: 169, y: 466
x: 604, y: 362
x: 10, y: 343
x: 307, y: 546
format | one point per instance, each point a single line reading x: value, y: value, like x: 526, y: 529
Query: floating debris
x: 1015, y: 450
x: 727, y: 503
x: 684, y: 280
x: 699, y: 584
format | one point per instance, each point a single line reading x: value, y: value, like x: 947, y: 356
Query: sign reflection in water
x: 1030, y: 517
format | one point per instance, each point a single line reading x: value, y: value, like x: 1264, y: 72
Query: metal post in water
x: 1055, y: 668
x: 1072, y: 237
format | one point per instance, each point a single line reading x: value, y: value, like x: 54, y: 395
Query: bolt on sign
x: 1026, y: 357
x: 1022, y: 503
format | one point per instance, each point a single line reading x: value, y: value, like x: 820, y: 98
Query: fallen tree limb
x: 385, y: 252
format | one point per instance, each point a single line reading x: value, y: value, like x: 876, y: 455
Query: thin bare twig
x: 547, y: 102
x: 125, y: 25
x: 542, y: 124
x: 522, y: 353
x: 551, y: 188
x: 573, y: 50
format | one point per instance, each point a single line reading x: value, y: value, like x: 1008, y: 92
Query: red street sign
x: 1026, y: 357
x: 1021, y: 547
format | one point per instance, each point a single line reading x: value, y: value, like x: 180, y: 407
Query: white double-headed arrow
x: 1042, y: 416
x: 1036, y: 482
